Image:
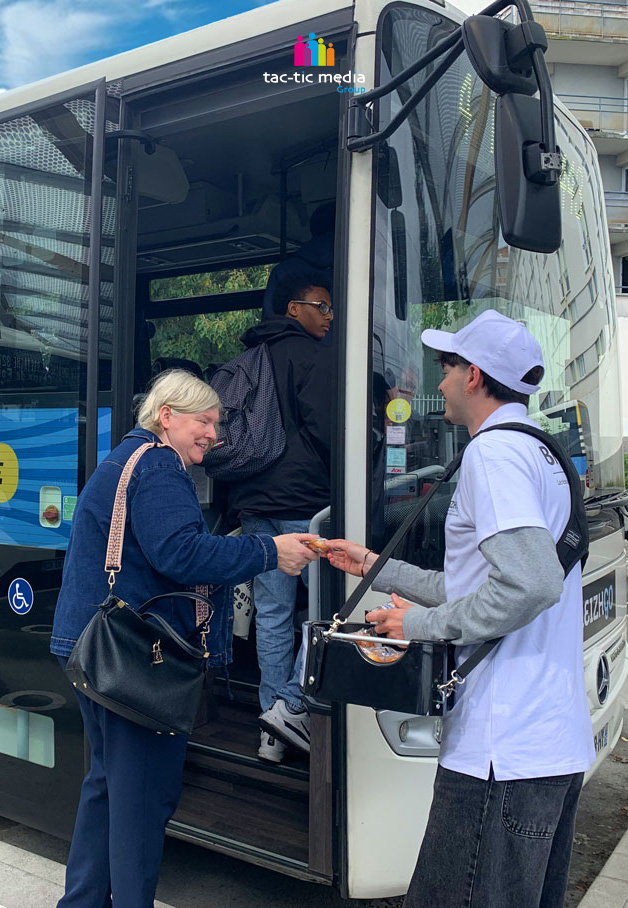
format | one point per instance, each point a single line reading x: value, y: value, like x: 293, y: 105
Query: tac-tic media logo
x: 315, y: 53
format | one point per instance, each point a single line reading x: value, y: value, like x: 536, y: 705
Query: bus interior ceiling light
x: 510, y: 60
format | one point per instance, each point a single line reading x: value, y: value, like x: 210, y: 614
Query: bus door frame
x: 124, y: 286
x: 136, y: 92
x: 88, y: 393
x: 327, y: 824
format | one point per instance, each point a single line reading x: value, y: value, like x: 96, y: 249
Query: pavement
x: 610, y: 888
x: 30, y: 881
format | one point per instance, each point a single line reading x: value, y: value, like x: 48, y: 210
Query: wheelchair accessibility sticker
x: 21, y: 596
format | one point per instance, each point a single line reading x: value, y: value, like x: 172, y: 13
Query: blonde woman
x: 134, y: 782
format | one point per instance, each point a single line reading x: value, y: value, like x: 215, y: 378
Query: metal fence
x: 600, y: 114
x: 423, y: 405
x: 616, y: 209
x: 576, y: 17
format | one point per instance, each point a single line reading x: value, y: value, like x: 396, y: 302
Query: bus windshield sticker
x: 398, y: 410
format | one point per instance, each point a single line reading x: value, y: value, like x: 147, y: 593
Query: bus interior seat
x: 162, y: 363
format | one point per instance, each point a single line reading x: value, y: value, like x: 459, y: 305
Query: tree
x: 210, y: 336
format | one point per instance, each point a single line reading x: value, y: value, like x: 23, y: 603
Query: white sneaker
x: 290, y: 727
x: 270, y: 749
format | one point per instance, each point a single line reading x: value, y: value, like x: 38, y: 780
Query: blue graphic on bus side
x: 21, y: 596
x: 45, y: 445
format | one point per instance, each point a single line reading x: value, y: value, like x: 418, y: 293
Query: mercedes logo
x: 603, y: 679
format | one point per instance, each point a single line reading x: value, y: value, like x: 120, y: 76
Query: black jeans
x: 495, y: 844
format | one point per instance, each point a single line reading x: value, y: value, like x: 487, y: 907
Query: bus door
x: 198, y: 279
x: 57, y: 221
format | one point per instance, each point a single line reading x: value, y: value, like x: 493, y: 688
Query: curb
x: 610, y: 888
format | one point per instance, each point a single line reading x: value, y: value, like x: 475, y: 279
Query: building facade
x: 588, y: 64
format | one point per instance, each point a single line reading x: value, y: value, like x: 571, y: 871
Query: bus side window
x: 44, y: 235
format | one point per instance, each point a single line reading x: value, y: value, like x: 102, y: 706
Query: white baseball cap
x: 498, y: 345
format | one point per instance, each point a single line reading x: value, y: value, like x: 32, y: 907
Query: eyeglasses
x: 323, y: 307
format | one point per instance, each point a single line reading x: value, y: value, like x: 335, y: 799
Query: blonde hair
x: 179, y: 390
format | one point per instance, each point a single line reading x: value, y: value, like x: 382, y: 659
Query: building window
x: 581, y: 366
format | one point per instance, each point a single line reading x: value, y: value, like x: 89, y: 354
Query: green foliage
x: 207, y: 337
x: 443, y: 315
x: 254, y: 277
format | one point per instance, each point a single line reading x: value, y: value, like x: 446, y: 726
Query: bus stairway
x: 230, y: 795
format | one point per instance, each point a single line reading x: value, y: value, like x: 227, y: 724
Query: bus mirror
x: 160, y: 175
x: 529, y: 209
x: 400, y: 263
x: 500, y: 52
x: 388, y: 176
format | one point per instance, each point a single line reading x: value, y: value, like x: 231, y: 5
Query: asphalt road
x: 193, y: 877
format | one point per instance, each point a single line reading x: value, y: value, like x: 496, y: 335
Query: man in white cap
x: 519, y: 738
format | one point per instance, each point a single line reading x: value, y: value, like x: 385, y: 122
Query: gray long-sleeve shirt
x: 515, y: 592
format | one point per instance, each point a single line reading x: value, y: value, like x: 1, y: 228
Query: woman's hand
x: 390, y: 621
x: 292, y: 555
x: 350, y: 557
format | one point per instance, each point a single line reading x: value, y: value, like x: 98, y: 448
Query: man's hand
x: 350, y: 557
x: 390, y: 621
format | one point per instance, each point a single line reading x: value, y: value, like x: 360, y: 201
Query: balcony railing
x: 616, y: 209
x: 599, y: 114
x: 582, y: 18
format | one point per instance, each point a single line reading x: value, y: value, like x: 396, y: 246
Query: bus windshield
x: 440, y: 260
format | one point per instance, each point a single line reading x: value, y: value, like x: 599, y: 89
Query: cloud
x: 39, y: 38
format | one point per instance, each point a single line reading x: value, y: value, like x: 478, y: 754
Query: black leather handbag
x: 343, y: 665
x: 131, y: 661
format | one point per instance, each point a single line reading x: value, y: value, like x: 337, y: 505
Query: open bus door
x: 56, y: 237
x: 175, y: 303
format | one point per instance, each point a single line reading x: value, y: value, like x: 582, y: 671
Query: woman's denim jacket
x: 167, y: 547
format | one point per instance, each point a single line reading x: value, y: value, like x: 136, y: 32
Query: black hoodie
x: 297, y: 485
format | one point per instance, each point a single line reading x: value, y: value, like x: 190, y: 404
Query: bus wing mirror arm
x: 504, y: 65
x: 362, y: 124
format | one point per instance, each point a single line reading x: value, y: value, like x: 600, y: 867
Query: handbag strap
x: 113, y: 557
x: 195, y: 597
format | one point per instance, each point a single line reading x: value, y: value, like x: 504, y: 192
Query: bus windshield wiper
x: 616, y: 498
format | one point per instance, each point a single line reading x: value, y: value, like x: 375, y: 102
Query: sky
x: 39, y: 38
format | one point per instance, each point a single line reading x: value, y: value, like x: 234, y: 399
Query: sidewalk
x: 30, y: 881
x: 610, y: 889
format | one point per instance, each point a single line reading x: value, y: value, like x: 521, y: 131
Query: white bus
x: 143, y: 201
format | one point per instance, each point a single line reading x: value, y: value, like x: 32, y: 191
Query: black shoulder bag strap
x: 573, y: 545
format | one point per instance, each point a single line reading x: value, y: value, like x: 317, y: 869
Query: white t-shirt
x: 524, y: 708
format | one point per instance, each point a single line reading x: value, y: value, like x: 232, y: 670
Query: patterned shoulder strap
x: 113, y: 558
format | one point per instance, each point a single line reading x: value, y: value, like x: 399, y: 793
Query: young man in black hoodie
x: 289, y: 492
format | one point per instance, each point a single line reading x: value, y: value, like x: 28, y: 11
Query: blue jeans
x: 275, y: 596
x: 495, y: 844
